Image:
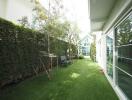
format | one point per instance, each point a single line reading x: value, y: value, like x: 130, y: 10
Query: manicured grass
x: 81, y: 80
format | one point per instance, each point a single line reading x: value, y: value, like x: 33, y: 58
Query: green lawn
x: 81, y: 80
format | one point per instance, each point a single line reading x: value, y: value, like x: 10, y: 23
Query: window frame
x: 109, y: 32
x: 116, y: 47
x: 115, y: 55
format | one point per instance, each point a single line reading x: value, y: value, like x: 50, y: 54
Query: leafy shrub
x: 81, y: 57
x: 93, y: 51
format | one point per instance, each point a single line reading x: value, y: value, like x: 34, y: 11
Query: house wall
x: 101, y: 36
x: 119, y: 10
x: 86, y: 40
x: 3, y: 6
x: 13, y: 10
x: 98, y: 47
x: 103, y: 52
x: 101, y: 49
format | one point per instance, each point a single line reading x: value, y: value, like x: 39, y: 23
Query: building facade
x: 84, y: 46
x: 13, y: 10
x: 112, y: 24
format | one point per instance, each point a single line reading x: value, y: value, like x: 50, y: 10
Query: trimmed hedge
x: 20, y: 51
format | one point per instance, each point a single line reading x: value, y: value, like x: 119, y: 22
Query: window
x: 123, y: 41
x: 85, y: 44
x: 109, y: 47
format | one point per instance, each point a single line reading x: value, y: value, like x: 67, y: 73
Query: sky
x: 75, y: 11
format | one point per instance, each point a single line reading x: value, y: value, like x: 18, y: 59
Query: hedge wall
x: 20, y: 51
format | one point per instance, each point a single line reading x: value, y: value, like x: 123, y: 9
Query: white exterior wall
x: 98, y: 47
x: 101, y: 50
x: 13, y: 10
x: 101, y: 55
x: 101, y: 58
x: 3, y: 6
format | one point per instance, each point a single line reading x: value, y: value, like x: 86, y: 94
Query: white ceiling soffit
x: 100, y: 11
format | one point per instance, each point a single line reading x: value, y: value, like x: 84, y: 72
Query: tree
x: 71, y: 36
x: 40, y: 16
x: 24, y: 21
x: 56, y: 29
x: 93, y: 51
x: 49, y: 23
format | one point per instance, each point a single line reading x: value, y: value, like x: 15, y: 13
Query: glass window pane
x: 125, y: 64
x: 125, y: 83
x: 125, y: 51
x: 123, y: 41
x: 124, y: 32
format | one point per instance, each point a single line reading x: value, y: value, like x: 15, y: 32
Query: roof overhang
x: 99, y: 13
x: 105, y: 12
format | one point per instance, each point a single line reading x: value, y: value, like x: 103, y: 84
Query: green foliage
x: 61, y: 30
x: 55, y: 28
x: 20, y: 51
x: 81, y: 57
x: 93, y: 51
x: 24, y: 21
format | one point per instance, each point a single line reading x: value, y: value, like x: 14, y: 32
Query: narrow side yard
x: 81, y: 80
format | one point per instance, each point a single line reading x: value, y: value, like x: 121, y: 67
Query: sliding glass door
x: 123, y: 44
